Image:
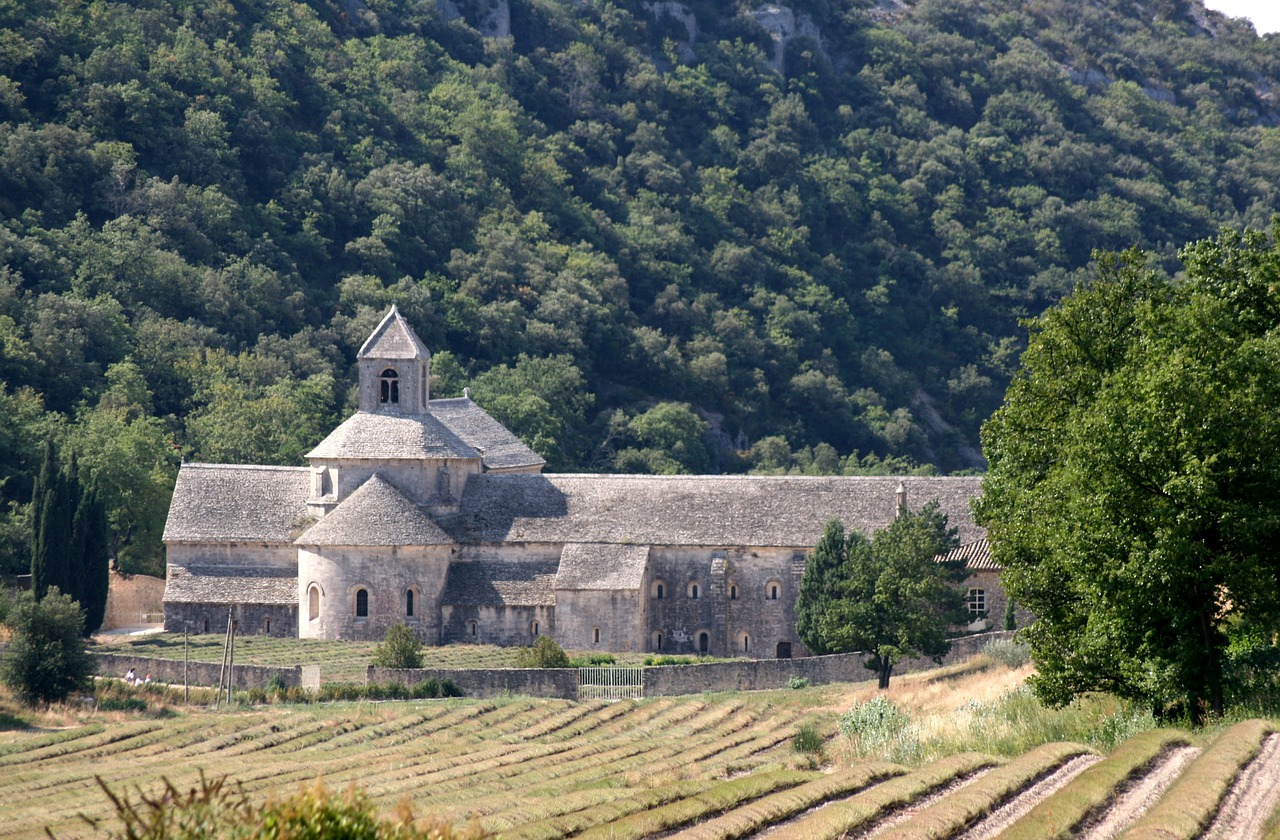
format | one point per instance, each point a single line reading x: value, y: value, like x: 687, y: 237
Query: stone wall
x: 133, y: 600
x: 757, y: 674
x: 277, y: 620
x: 198, y: 673
x: 490, y: 682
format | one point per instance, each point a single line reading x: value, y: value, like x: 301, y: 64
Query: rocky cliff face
x: 491, y: 18
x: 784, y: 26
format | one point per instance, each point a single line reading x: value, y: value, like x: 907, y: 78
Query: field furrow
x: 1253, y: 799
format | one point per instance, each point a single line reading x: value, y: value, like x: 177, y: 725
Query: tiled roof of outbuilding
x: 376, y: 514
x: 601, y: 566
x: 976, y: 556
x: 493, y: 583
x: 235, y: 503
x: 231, y: 585
x: 393, y: 338
x: 367, y: 435
x: 474, y: 426
x: 695, y: 510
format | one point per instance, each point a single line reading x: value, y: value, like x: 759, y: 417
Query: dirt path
x: 1009, y: 813
x: 1252, y: 798
x: 1136, y: 800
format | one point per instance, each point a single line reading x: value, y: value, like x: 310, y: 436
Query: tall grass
x: 1010, y: 725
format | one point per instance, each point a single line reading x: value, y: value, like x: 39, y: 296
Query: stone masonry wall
x: 490, y: 682
x: 198, y: 673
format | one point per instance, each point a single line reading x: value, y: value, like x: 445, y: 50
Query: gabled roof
x: 393, y: 338
x: 376, y: 514
x: 474, y: 426
x: 234, y: 503
x: 695, y: 510
x: 601, y: 566
x: 497, y: 583
x: 976, y: 556
x: 368, y: 435
x: 231, y: 585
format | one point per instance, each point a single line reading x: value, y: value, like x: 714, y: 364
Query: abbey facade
x: 431, y: 513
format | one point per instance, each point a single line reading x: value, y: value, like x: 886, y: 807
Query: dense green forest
x: 649, y: 236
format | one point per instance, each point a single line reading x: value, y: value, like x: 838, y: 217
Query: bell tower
x: 395, y: 369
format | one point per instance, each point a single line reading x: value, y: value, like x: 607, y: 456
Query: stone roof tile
x: 376, y: 514
x: 231, y: 585
x: 393, y: 338
x: 695, y: 510
x: 235, y: 503
x: 976, y: 556
x: 474, y: 426
x: 494, y: 583
x: 370, y: 436
x: 602, y: 566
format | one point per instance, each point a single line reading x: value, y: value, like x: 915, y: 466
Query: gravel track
x: 1252, y: 798
x: 904, y: 814
x: 1135, y: 800
x: 1016, y: 808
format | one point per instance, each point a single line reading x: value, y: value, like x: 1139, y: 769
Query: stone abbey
x: 431, y: 513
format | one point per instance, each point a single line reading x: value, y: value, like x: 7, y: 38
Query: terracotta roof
x: 495, y: 583
x: 376, y: 514
x: 694, y: 510
x: 475, y: 427
x: 601, y: 566
x: 233, y: 503
x: 975, y: 555
x: 366, y: 435
x: 393, y: 338
x: 231, y: 585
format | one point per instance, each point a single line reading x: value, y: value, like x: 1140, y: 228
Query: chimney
x: 901, y: 495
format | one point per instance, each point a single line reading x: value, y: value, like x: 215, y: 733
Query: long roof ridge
x: 205, y: 465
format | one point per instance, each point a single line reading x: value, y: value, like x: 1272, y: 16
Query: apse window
x: 362, y: 603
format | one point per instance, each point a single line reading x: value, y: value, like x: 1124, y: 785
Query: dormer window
x: 389, y: 386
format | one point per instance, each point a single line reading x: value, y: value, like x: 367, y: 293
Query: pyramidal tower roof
x: 393, y: 338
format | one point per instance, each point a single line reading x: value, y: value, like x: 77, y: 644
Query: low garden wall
x: 490, y: 682
x: 198, y: 673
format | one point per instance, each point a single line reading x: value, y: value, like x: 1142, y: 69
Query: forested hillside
x: 651, y: 236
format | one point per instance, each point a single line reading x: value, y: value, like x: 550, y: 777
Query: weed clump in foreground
x: 879, y: 729
x: 213, y: 808
x: 1008, y: 652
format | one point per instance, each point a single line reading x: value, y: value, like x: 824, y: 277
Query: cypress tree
x: 93, y: 574
x: 53, y: 511
x: 818, y: 586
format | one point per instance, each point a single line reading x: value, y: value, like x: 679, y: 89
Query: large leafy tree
x: 891, y: 596
x: 46, y: 660
x: 1134, y: 468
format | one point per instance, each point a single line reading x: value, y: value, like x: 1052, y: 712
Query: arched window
x: 389, y: 386
x: 657, y: 641
x: 362, y: 603
x: 408, y: 603
x: 733, y: 592
x: 977, y: 601
x: 205, y: 624
x: 704, y: 643
x: 659, y: 590
x: 746, y: 643
x: 693, y: 590
x: 313, y: 603
x: 595, y: 636
x: 473, y: 628
x: 266, y: 627
x: 533, y: 629
x: 772, y: 590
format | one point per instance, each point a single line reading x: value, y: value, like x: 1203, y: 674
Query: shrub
x: 545, y: 653
x: 433, y: 688
x: 592, y: 660
x: 807, y: 740
x: 47, y: 658
x: 878, y: 729
x: 798, y: 682
x: 276, y: 685
x: 214, y: 809
x: 400, y: 648
x: 1008, y: 652
x: 670, y: 660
